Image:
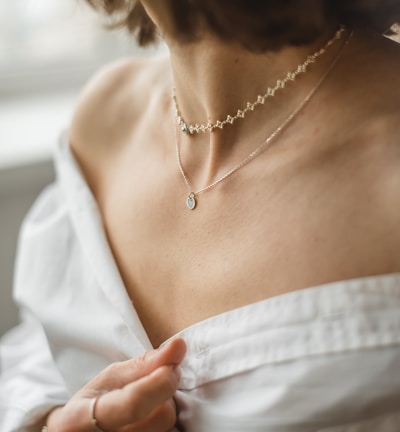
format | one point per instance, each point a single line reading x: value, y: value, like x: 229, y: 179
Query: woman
x: 251, y: 219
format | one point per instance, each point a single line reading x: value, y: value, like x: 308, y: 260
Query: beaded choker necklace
x: 190, y: 129
x: 191, y: 197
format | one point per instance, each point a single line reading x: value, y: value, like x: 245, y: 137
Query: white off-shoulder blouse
x: 323, y: 359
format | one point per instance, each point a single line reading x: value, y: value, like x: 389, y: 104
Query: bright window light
x: 54, y: 43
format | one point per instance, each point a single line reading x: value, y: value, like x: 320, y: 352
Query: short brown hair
x: 258, y: 25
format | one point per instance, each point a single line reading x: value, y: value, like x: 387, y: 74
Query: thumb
x: 118, y: 375
x: 172, y: 353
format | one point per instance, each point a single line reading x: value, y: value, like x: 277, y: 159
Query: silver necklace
x: 191, y: 197
x: 191, y: 129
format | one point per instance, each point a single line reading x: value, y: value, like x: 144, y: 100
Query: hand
x: 133, y: 396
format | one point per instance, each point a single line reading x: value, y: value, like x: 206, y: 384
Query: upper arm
x: 30, y: 383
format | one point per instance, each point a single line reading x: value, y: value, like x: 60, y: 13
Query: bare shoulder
x: 380, y: 134
x: 368, y: 130
x: 373, y: 96
x: 113, y: 103
x: 381, y: 127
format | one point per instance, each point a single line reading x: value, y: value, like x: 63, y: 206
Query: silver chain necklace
x: 191, y: 197
x: 191, y: 129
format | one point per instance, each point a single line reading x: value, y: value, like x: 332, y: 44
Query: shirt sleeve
x: 30, y: 384
x: 30, y: 381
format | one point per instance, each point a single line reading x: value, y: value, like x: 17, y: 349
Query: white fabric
x: 324, y: 359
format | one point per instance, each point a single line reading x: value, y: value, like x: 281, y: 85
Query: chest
x: 252, y: 237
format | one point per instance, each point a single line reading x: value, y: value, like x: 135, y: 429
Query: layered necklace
x: 190, y: 129
x: 280, y: 84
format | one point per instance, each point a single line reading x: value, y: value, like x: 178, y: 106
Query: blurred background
x: 48, y: 50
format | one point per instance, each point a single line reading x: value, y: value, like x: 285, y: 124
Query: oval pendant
x: 191, y: 201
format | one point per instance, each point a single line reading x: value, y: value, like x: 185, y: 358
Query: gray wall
x: 19, y: 186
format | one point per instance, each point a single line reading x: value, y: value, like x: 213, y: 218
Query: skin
x: 135, y: 395
x: 320, y: 205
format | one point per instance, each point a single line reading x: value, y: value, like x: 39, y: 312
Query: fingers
x: 130, y: 395
x: 120, y: 374
x: 162, y: 419
x: 139, y: 400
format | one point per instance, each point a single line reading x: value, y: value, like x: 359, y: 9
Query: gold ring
x: 93, y: 420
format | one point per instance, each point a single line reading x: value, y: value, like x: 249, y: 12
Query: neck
x: 213, y: 80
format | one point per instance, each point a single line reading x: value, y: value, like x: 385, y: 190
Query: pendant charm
x: 188, y: 130
x: 191, y: 201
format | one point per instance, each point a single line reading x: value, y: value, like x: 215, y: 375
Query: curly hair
x: 258, y: 25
